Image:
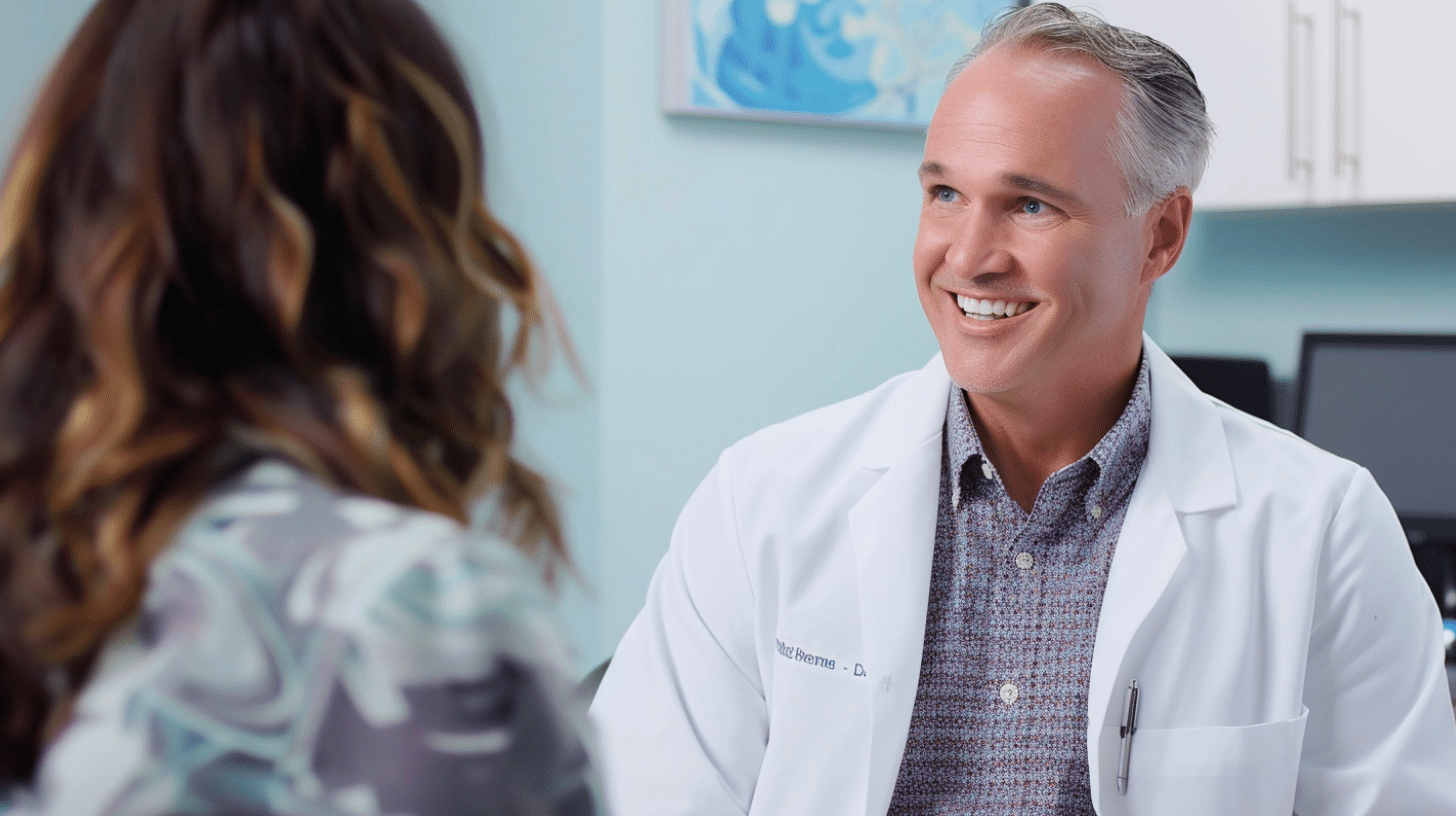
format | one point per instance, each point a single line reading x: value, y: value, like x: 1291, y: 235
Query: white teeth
x: 991, y: 309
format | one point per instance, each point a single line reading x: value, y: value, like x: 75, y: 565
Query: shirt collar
x: 1118, y: 455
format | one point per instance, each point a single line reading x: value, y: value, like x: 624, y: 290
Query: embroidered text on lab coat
x: 800, y: 656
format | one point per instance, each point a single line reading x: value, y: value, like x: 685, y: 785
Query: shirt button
x: 1097, y: 511
x: 986, y: 468
x: 1025, y: 561
x: 1009, y: 693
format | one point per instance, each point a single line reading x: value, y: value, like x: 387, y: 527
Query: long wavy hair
x: 247, y: 226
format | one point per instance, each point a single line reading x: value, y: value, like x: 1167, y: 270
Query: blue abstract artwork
x: 873, y: 62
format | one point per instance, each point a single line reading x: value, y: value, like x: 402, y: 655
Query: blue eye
x: 1033, y: 207
x: 944, y: 195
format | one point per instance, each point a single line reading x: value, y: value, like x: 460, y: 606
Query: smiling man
x: 1044, y: 574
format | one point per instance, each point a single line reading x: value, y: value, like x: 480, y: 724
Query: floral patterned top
x: 306, y: 651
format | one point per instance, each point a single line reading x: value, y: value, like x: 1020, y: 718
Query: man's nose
x: 979, y: 245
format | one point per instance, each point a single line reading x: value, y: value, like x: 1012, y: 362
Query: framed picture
x: 879, y: 63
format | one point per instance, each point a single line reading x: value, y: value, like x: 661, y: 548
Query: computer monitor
x: 1388, y: 402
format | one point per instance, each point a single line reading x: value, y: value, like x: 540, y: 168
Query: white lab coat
x: 1262, y: 594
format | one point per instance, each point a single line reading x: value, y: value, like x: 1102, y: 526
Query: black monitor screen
x: 1388, y: 402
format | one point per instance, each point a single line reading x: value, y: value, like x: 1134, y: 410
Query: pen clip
x: 1129, y: 711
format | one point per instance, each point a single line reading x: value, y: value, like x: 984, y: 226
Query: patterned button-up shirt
x: 1000, y: 719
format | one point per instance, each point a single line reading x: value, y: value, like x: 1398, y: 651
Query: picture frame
x: 867, y: 63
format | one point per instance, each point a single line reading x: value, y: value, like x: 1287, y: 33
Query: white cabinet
x: 1407, y: 106
x: 1317, y: 102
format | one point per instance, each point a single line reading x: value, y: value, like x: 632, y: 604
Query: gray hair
x: 1163, y: 132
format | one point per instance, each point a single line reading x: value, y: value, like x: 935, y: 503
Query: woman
x: 252, y: 376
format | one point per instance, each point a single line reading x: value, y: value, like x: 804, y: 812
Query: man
x: 937, y: 597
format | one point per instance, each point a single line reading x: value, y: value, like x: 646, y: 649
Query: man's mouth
x: 992, y: 309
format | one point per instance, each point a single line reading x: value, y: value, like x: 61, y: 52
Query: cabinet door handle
x: 1291, y: 23
x: 1299, y: 161
x: 1347, y: 86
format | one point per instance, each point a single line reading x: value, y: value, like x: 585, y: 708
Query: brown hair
x: 240, y: 225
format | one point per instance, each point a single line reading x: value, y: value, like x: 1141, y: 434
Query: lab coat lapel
x: 892, y: 528
x: 1149, y: 550
x: 1188, y: 470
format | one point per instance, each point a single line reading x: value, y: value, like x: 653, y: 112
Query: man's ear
x: 1167, y: 223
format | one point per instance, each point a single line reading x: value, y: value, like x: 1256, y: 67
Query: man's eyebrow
x: 1028, y: 183
x: 1036, y: 185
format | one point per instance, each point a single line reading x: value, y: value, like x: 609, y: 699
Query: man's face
x: 1024, y: 205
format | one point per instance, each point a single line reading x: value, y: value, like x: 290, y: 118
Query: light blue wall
x: 30, y: 40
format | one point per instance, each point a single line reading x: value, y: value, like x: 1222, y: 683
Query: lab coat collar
x: 912, y: 415
x: 1187, y: 450
x: 892, y: 530
x: 1188, y: 470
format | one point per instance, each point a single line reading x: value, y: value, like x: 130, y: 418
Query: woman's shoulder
x: 416, y: 595
x: 317, y: 555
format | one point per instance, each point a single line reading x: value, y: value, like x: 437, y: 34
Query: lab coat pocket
x: 1249, y: 770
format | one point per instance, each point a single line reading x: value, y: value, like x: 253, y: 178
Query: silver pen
x: 1129, y: 727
